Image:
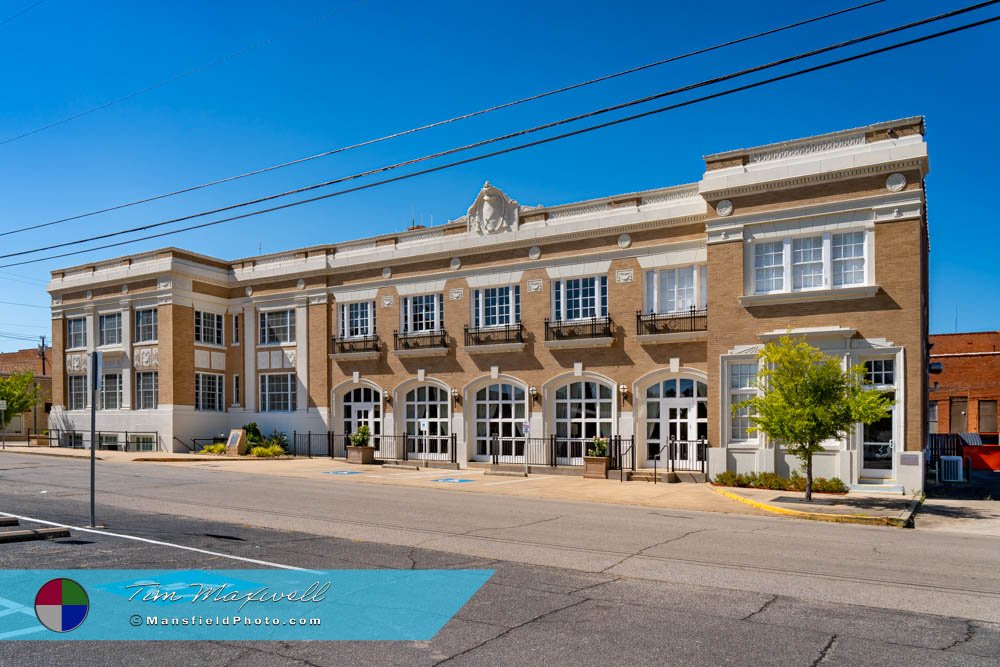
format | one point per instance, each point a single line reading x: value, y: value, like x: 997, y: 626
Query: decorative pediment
x: 492, y: 212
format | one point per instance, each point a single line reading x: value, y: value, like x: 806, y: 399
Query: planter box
x: 596, y: 467
x: 362, y: 455
x: 35, y: 441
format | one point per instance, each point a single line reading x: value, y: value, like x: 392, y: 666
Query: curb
x: 862, y: 519
x: 61, y: 456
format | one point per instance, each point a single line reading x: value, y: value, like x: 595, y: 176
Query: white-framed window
x: 803, y: 263
x: 423, y: 313
x: 147, y: 325
x: 676, y: 290
x: 236, y: 390
x: 76, y: 333
x: 579, y: 298
x: 742, y: 385
x: 276, y: 327
x: 109, y: 329
x: 147, y: 390
x: 429, y: 406
x: 496, y: 306
x: 76, y: 392
x: 236, y: 329
x: 111, y: 391
x: 208, y: 392
x: 357, y: 319
x: 277, y: 392
x: 144, y: 443
x: 208, y: 328
x: 880, y: 372
x: 932, y: 417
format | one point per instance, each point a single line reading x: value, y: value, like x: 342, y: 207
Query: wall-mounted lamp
x: 533, y: 392
x: 623, y: 390
x: 386, y: 398
x: 454, y: 395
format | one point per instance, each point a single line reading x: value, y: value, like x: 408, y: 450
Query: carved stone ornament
x: 895, y: 182
x: 386, y: 272
x: 624, y: 241
x: 724, y: 207
x: 492, y: 212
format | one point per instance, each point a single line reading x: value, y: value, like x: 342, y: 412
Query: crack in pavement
x: 274, y: 654
x: 471, y: 532
x: 826, y: 650
x: 970, y: 632
x: 642, y: 551
x: 764, y: 606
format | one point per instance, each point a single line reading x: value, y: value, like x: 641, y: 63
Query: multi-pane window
x: 147, y: 390
x: 932, y: 417
x: 496, y: 306
x: 807, y: 263
x: 848, y: 259
x: 423, y: 313
x: 146, y: 325
x: 987, y: 416
x: 111, y: 391
x: 357, y: 319
x: 277, y: 392
x: 109, y: 329
x: 208, y: 328
x: 500, y: 414
x: 236, y: 390
x: 677, y: 290
x: 880, y: 372
x: 76, y: 333
x: 580, y: 298
x: 236, y: 329
x: 208, y: 391
x: 584, y: 411
x: 276, y: 327
x: 768, y: 267
x: 742, y: 385
x: 76, y: 394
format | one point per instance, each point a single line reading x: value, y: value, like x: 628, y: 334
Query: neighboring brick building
x: 963, y: 398
x: 517, y: 332
x: 40, y: 364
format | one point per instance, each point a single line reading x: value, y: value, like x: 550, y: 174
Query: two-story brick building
x: 520, y: 331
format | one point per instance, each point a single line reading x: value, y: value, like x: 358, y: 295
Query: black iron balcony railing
x: 594, y: 327
x: 355, y: 344
x: 647, y: 324
x: 510, y: 333
x: 420, y: 340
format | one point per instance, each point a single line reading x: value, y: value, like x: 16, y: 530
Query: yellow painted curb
x: 862, y: 519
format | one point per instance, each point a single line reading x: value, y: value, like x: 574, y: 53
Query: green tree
x: 21, y: 393
x: 805, y: 397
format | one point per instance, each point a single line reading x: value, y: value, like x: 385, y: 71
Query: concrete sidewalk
x: 853, y: 507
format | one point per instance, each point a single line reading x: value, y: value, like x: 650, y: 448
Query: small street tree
x: 805, y: 398
x: 21, y: 394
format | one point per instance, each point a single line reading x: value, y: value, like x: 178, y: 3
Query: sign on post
x: 422, y: 424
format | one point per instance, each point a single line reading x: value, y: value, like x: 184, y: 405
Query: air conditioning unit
x: 950, y: 469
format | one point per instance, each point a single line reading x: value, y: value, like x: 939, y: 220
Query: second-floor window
x: 677, y: 290
x: 357, y: 319
x: 76, y: 333
x: 147, y: 390
x: 76, y: 394
x: 236, y: 329
x: 208, y: 391
x: 208, y: 328
x: 580, y: 298
x: 276, y: 327
x: 423, y: 313
x: 146, y: 325
x: 496, y: 306
x: 825, y: 261
x: 110, y: 329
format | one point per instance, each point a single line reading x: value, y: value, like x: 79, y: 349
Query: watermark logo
x: 61, y: 605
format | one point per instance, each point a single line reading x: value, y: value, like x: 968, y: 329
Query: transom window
x: 496, y: 306
x: 111, y: 391
x: 357, y: 319
x: 583, y: 412
x: 580, y: 298
x: 423, y: 313
x: 76, y: 333
x: 276, y: 327
x: 742, y: 385
x: 207, y: 328
x: 76, y: 392
x: 278, y: 392
x: 110, y: 329
x: 880, y: 372
x: 812, y: 262
x: 208, y: 392
x: 500, y: 413
x: 146, y: 325
x: 677, y: 290
x: 147, y: 390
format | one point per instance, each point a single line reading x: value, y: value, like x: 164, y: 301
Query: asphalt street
x: 579, y: 583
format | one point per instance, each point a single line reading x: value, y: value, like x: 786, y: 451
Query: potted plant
x: 359, y: 451
x: 596, y: 462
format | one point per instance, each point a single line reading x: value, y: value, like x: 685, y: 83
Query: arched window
x: 676, y: 410
x: 500, y: 412
x: 427, y: 421
x: 584, y: 411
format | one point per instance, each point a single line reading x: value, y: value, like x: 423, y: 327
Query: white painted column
x: 302, y: 355
x: 91, y: 346
x: 249, y: 359
x: 127, y: 346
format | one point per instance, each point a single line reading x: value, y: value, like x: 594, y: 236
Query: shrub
x: 278, y: 439
x: 268, y: 451
x: 727, y: 478
x: 360, y: 437
x: 775, y: 482
x: 599, y: 447
x: 217, y: 448
x: 833, y: 485
x: 254, y: 436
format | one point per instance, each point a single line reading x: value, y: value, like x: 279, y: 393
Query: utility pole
x: 41, y: 353
x: 95, y: 384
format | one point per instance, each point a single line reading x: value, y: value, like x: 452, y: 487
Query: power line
x: 20, y: 13
x: 538, y: 128
x: 440, y: 123
x: 26, y: 305
x: 177, y: 77
x: 538, y: 142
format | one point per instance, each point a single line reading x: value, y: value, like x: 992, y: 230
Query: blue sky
x: 344, y: 72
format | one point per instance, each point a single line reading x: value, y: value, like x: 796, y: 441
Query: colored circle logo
x: 61, y: 605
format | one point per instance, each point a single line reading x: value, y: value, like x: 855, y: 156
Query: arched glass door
x: 583, y: 411
x: 676, y: 410
x: 362, y: 406
x: 500, y: 413
x: 427, y: 420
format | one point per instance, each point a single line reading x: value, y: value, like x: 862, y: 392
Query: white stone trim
x: 809, y: 296
x: 579, y: 270
x: 494, y: 279
x: 418, y: 288
x: 354, y: 295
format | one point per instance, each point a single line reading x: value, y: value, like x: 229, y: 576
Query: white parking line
x: 157, y: 542
x: 526, y: 479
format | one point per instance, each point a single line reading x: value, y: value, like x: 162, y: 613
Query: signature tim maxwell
x: 151, y: 592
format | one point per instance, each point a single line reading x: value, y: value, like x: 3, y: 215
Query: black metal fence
x: 682, y: 455
x: 520, y: 451
x: 511, y: 333
x: 419, y: 340
x: 647, y: 324
x: 553, y: 451
x: 594, y: 327
x: 122, y: 441
x: 943, y: 444
x: 355, y: 345
x: 432, y: 447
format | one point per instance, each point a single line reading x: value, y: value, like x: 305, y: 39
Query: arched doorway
x: 357, y: 406
x: 676, y: 410
x: 427, y: 420
x: 499, y: 413
x: 584, y: 410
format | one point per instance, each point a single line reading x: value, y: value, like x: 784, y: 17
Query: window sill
x: 276, y: 346
x: 214, y: 346
x: 355, y: 356
x: 423, y: 352
x: 76, y: 349
x: 572, y: 343
x: 811, y: 296
x: 143, y: 343
x: 494, y: 348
